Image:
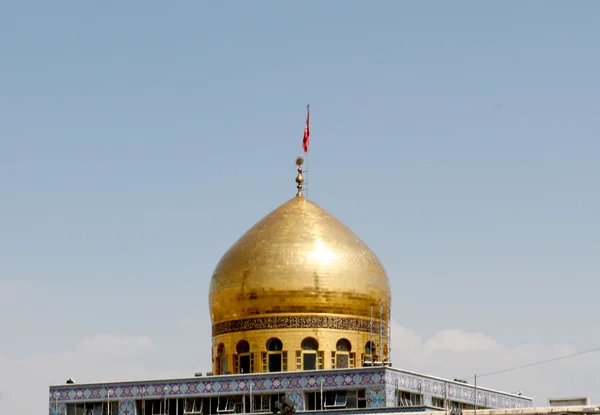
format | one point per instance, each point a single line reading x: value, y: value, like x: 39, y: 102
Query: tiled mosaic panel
x: 337, y: 379
x: 127, y: 408
x: 222, y: 385
x: 450, y: 390
x: 57, y: 409
x: 298, y: 398
x: 295, y: 322
x: 390, y: 395
x: 376, y: 397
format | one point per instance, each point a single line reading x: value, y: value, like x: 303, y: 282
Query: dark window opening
x: 335, y: 400
x: 274, y: 345
x: 310, y: 361
x: 225, y: 405
x: 313, y: 401
x: 91, y: 408
x: 193, y: 406
x: 245, y: 364
x: 348, y: 399
x: 409, y: 399
x: 275, y: 362
x: 262, y: 403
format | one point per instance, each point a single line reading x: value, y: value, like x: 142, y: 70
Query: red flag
x: 306, y: 140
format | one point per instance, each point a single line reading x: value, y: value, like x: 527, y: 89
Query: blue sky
x: 140, y: 139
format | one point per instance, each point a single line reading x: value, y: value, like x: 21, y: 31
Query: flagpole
x: 306, y: 188
x: 307, y: 131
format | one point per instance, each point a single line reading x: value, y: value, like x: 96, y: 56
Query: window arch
x: 242, y: 347
x: 343, y: 345
x: 310, y: 343
x: 370, y: 348
x: 274, y: 345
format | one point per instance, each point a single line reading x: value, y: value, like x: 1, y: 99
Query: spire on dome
x: 299, y: 178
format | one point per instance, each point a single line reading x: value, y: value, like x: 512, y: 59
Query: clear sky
x: 139, y: 139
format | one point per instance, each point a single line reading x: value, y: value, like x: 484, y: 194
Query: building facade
x: 359, y: 390
x: 300, y: 309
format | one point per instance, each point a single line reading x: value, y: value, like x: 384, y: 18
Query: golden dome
x: 298, y: 260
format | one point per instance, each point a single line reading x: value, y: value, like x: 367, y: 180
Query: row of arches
x: 273, y: 358
x: 309, y: 343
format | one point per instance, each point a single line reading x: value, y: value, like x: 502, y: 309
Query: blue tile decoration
x: 381, y: 384
x: 127, y: 408
x: 376, y: 397
x: 298, y: 398
x: 427, y: 400
x: 390, y: 395
x: 57, y: 408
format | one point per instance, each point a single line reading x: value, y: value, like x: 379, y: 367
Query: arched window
x: 342, y: 358
x: 309, y: 358
x: 242, y: 347
x: 370, y: 348
x: 274, y: 345
x: 275, y: 359
x: 343, y: 345
x: 221, y: 365
x: 244, y: 360
x: 310, y: 344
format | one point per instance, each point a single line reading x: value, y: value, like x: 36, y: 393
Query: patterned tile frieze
x: 454, y: 391
x: 378, y: 379
x: 295, y: 322
x: 219, y: 385
x: 127, y: 408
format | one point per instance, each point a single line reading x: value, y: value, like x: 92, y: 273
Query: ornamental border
x: 298, y: 322
x: 383, y: 380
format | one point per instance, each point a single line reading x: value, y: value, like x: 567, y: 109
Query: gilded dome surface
x: 300, y: 260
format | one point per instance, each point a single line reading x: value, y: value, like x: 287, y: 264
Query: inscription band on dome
x: 298, y: 322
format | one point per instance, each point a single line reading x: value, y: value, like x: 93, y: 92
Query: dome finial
x: 299, y: 178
